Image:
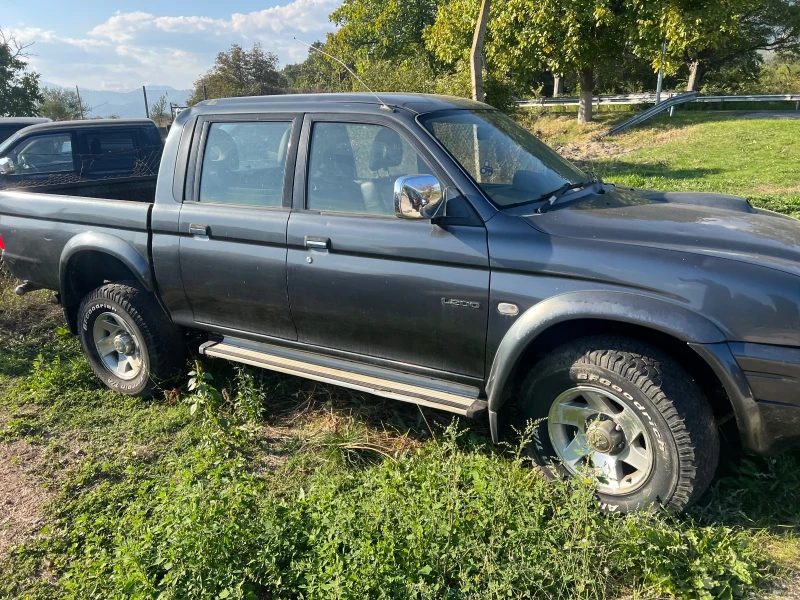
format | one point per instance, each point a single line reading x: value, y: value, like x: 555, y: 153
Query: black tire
x: 670, y: 407
x: 161, y: 349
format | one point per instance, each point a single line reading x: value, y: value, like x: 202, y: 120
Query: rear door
x: 363, y: 281
x: 232, y: 224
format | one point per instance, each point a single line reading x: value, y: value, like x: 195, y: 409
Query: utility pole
x: 80, y: 104
x: 661, y: 72
x: 476, y: 55
x: 146, y: 108
x: 205, y: 92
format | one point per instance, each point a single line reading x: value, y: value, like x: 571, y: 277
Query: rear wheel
x: 629, y: 414
x: 130, y: 343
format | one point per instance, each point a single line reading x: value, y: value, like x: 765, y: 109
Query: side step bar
x: 406, y: 387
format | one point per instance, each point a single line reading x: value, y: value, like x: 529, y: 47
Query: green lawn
x: 258, y: 485
x: 693, y: 151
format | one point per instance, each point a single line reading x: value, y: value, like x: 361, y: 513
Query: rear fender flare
x: 625, y: 307
x: 107, y: 244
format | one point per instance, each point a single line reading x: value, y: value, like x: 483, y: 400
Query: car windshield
x: 508, y: 163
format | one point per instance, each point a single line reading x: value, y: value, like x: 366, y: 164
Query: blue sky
x: 121, y: 46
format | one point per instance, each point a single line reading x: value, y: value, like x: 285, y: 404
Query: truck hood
x: 708, y: 224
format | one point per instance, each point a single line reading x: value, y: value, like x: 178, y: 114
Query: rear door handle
x: 321, y: 243
x: 195, y: 229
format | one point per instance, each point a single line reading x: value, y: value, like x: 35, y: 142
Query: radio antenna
x: 384, y: 106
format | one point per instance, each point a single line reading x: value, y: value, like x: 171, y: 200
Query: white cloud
x: 37, y: 34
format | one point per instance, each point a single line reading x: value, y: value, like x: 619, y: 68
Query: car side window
x: 245, y: 162
x: 44, y: 154
x: 113, y: 150
x: 352, y: 167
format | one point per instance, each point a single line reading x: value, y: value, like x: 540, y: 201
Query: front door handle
x: 195, y: 229
x: 320, y: 243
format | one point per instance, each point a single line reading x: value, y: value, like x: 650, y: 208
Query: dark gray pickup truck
x: 428, y: 249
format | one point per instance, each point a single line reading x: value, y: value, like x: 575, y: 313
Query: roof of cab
x: 57, y: 125
x: 23, y: 120
x: 416, y: 103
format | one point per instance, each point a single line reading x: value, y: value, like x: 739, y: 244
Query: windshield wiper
x: 556, y: 194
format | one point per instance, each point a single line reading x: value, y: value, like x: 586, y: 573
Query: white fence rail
x: 651, y: 99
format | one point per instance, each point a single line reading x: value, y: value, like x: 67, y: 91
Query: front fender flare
x: 626, y: 307
x: 106, y: 244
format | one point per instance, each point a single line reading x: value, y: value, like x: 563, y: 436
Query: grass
x: 248, y: 484
x: 692, y: 151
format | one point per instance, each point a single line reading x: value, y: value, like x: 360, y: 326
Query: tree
x: 381, y: 29
x: 317, y: 73
x: 710, y: 33
x: 240, y: 72
x: 158, y: 112
x: 61, y: 104
x: 19, y: 88
x: 524, y: 37
x: 476, y: 53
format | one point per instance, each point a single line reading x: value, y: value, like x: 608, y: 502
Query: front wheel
x: 627, y: 413
x: 129, y: 342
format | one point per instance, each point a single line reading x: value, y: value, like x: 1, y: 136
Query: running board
x: 397, y: 385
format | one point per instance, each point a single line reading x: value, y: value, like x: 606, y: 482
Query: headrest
x: 387, y: 150
x: 221, y: 150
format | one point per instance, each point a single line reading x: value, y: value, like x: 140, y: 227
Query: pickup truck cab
x: 70, y: 156
x: 428, y: 249
x: 11, y: 125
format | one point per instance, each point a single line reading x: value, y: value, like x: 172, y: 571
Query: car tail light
x: 2, y: 245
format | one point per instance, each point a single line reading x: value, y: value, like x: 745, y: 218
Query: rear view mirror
x: 417, y: 196
x: 6, y: 166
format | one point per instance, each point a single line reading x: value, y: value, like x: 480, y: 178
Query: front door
x: 365, y: 282
x: 233, y: 230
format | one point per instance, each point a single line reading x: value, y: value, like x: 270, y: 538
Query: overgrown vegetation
x: 248, y: 484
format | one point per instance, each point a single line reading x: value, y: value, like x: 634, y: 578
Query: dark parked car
x: 11, y: 125
x: 71, y: 156
x: 432, y: 251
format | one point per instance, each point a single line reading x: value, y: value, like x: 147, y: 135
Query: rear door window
x: 245, y: 163
x: 114, y: 150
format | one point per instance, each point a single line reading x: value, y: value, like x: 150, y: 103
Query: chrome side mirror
x: 6, y: 166
x: 417, y: 196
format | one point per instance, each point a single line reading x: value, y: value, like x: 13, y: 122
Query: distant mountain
x: 104, y: 103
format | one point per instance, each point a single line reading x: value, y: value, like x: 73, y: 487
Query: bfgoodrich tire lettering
x: 159, y: 342
x: 675, y: 416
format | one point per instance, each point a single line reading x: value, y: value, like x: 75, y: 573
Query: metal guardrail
x: 652, y: 111
x: 623, y: 99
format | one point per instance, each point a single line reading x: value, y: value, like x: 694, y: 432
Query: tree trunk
x: 476, y: 55
x: 558, y: 85
x: 695, y: 72
x: 585, y: 102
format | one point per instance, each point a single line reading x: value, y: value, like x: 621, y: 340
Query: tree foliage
x: 61, y: 104
x: 240, y: 72
x: 19, y: 88
x: 382, y: 29
x: 717, y: 33
x: 158, y: 112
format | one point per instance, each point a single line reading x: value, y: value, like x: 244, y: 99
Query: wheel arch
x: 88, y: 260
x: 563, y: 318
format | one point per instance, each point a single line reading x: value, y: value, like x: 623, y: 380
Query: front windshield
x: 509, y: 164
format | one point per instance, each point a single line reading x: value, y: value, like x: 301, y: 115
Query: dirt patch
x: 777, y: 114
x: 584, y: 153
x: 22, y: 495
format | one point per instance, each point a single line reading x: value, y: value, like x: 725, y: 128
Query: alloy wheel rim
x: 118, y: 346
x: 592, y: 427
